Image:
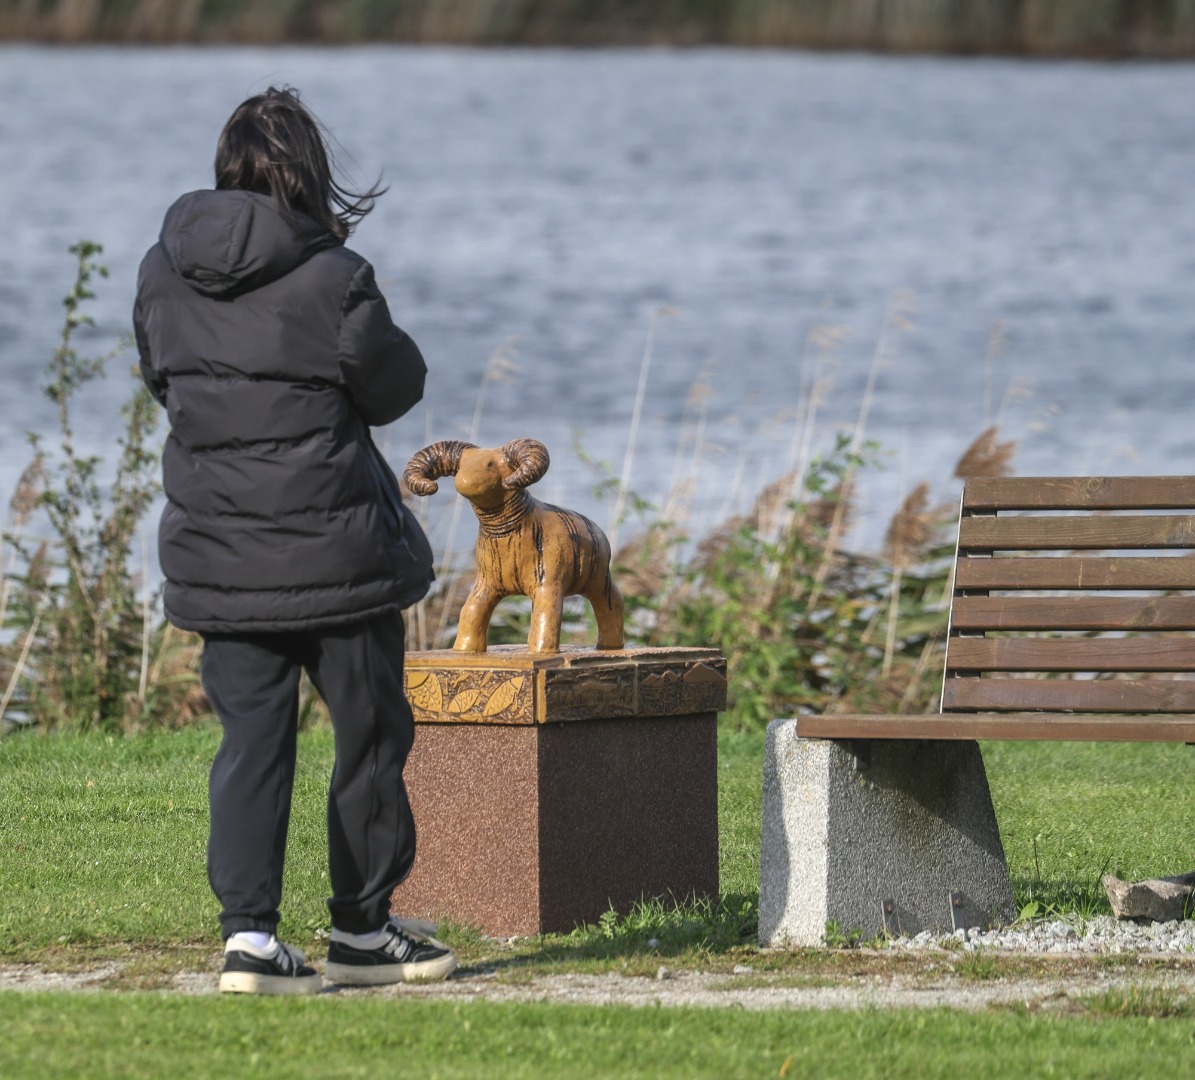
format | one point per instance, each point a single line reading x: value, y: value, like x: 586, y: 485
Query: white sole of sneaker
x: 384, y: 974
x: 247, y: 982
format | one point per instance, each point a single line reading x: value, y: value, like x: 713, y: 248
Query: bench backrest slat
x: 1027, y: 608
x: 1071, y: 695
x: 1086, y: 572
x: 1034, y: 612
x: 1073, y: 654
x: 1081, y: 492
x: 1077, y: 533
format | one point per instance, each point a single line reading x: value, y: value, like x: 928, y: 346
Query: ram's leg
x: 606, y: 601
x: 546, y: 607
x: 475, y: 616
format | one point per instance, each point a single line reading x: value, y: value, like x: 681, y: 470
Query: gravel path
x: 936, y: 985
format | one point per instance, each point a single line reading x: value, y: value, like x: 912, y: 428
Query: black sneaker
x: 409, y: 953
x: 276, y: 969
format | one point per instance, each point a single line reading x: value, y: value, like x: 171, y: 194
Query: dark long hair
x: 273, y: 145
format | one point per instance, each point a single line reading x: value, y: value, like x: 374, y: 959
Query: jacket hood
x: 223, y: 243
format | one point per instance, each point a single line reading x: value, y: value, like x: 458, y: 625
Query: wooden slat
x: 1075, y: 695
x: 1070, y: 654
x: 1041, y: 726
x: 1073, y: 613
x: 1082, y: 572
x: 1079, y: 492
x: 1077, y: 533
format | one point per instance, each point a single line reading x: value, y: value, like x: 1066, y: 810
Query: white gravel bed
x: 1100, y: 935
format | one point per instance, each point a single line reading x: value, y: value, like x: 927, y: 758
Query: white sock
x: 372, y: 940
x: 259, y: 940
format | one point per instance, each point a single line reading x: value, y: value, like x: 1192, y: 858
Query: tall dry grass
x: 1153, y: 28
x: 807, y: 623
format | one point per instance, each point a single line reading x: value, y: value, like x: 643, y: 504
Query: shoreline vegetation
x: 1108, y: 29
x: 806, y: 623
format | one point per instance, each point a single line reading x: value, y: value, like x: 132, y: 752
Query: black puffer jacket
x: 273, y: 352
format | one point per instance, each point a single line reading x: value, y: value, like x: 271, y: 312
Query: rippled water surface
x: 548, y: 202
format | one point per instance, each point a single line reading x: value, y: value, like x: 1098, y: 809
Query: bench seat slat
x: 1080, y: 492
x: 1073, y: 613
x: 1079, y: 727
x: 1075, y: 695
x: 1074, y: 654
x: 1083, y: 572
x: 1077, y: 533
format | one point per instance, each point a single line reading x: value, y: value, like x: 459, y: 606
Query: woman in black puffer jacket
x: 282, y: 540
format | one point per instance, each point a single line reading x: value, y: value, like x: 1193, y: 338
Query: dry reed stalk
x: 1018, y: 390
x: 628, y: 460
x: 76, y: 20
x: 911, y: 529
x: 772, y: 505
x: 819, y: 352
x: 19, y: 669
x: 641, y: 567
x: 28, y: 491
x: 143, y: 677
x: 156, y: 670
x: 24, y: 501
x: 711, y: 546
x: 893, y: 615
x: 685, y: 468
x: 914, y: 681
x: 986, y: 456
x: 899, y: 318
x: 801, y: 447
x: 165, y: 21
x: 176, y: 662
x: 910, y: 532
x: 994, y: 349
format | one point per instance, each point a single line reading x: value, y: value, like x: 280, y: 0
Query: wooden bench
x: 1070, y: 619
x: 1084, y: 577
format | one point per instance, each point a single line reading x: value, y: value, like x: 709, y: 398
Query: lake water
x: 552, y: 203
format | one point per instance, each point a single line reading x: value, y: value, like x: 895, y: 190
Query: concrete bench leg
x: 910, y: 822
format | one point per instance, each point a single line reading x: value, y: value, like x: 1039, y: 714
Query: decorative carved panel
x: 589, y: 693
x: 471, y: 695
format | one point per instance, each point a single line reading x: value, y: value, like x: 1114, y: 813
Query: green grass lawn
x: 102, y: 856
x: 103, y: 1035
x: 102, y: 839
x: 1069, y: 812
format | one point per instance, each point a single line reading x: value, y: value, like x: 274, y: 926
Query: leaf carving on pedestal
x: 504, y: 696
x: 464, y: 701
x: 425, y: 692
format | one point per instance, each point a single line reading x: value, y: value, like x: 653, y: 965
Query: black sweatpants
x: 252, y: 682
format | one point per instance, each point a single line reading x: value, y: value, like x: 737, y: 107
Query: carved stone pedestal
x: 548, y: 787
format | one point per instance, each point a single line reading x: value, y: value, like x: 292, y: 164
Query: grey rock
x: 1158, y: 899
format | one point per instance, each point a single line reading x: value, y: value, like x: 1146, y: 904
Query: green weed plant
x: 83, y: 646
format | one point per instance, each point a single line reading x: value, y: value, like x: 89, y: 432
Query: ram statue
x: 524, y: 547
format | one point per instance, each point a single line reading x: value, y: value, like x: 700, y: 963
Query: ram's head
x: 484, y: 477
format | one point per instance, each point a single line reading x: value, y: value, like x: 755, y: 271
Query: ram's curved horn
x: 432, y: 462
x: 528, y: 458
